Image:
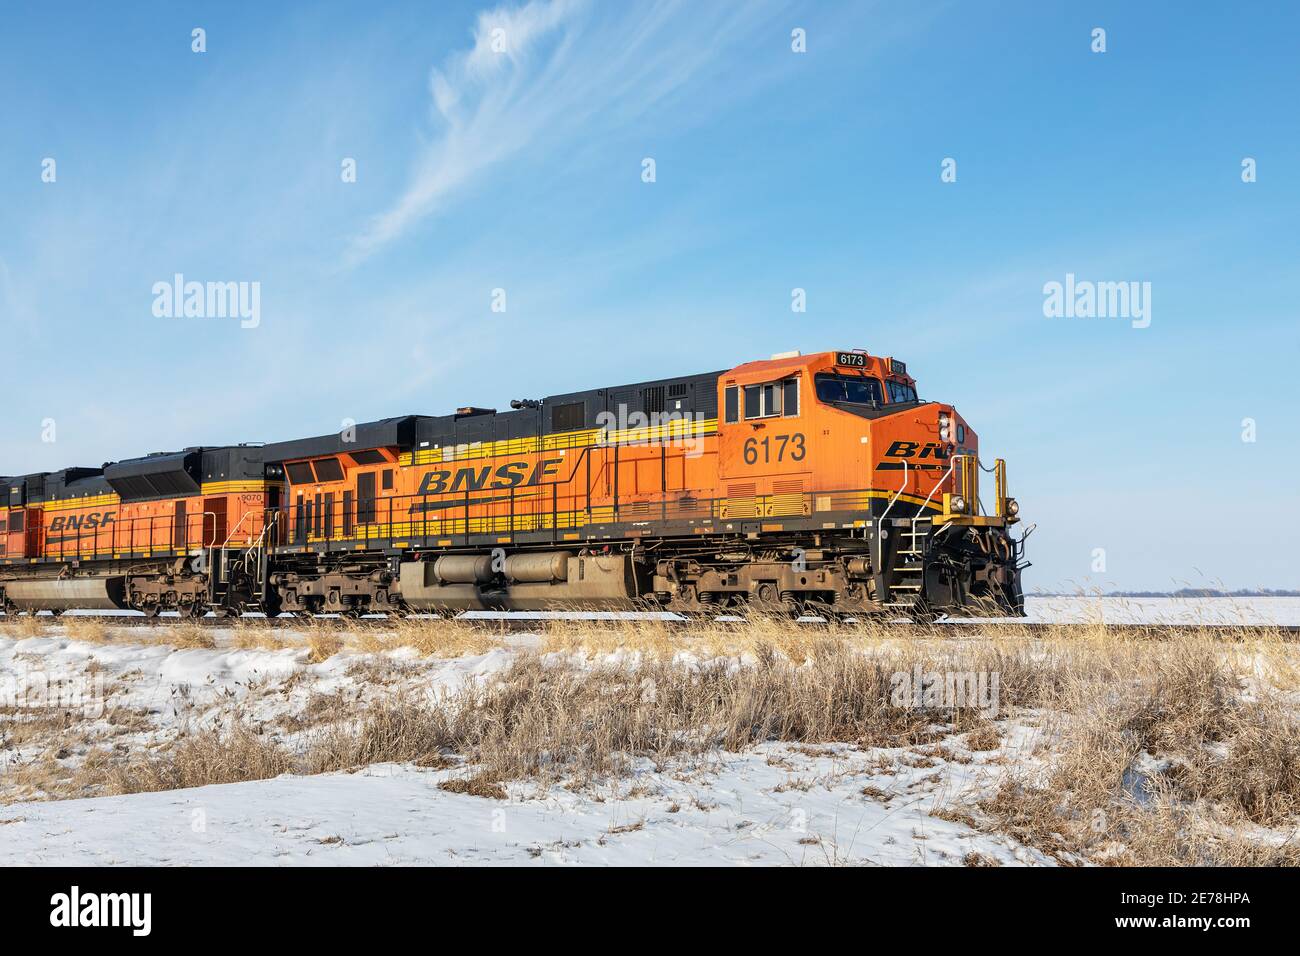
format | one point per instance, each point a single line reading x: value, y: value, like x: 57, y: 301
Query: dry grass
x: 24, y: 626
x: 205, y: 758
x: 445, y: 638
x: 749, y: 636
x: 1160, y: 746
x: 89, y: 629
x: 256, y: 635
x: 1158, y: 754
x: 478, y: 785
x: 187, y: 634
x: 322, y: 646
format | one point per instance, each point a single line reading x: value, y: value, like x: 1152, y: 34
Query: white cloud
x: 554, y: 71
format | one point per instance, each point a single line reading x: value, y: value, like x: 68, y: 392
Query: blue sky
x: 774, y: 170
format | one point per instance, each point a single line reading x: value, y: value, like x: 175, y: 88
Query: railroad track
x: 517, y: 624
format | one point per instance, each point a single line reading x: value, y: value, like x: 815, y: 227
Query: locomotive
x: 801, y: 483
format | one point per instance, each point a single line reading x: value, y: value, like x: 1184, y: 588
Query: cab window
x: 772, y: 399
x: 300, y: 473
x: 852, y: 389
x: 328, y: 469
x: 901, y: 392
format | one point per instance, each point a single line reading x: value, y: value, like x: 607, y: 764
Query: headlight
x: 1013, y: 507
x: 957, y: 504
x: 945, y: 426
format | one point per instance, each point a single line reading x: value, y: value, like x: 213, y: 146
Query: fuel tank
x: 65, y: 594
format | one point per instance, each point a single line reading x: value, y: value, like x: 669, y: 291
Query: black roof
x: 169, y: 475
x: 381, y: 434
x: 180, y: 473
x: 72, y: 483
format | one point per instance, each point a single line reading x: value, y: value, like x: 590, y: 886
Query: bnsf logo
x: 910, y: 449
x: 475, y: 479
x: 100, y: 519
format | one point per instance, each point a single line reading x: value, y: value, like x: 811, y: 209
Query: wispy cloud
x: 553, y: 72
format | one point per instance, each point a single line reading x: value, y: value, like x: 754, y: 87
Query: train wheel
x: 151, y: 610
x: 273, y: 605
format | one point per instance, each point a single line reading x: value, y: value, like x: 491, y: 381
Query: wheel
x: 273, y: 605
x: 151, y: 610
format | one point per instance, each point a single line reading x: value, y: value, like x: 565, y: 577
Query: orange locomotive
x: 801, y: 482
x: 136, y: 534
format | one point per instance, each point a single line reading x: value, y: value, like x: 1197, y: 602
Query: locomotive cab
x: 844, y: 439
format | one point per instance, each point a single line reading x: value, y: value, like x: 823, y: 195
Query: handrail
x: 202, y: 526
x: 898, y: 493
x: 880, y: 536
x: 236, y: 528
x: 951, y: 464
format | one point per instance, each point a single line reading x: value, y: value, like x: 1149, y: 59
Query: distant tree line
x: 1180, y: 593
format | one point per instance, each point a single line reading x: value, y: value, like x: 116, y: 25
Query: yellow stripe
x: 675, y: 429
x: 69, y: 504
x: 233, y: 487
x: 111, y: 498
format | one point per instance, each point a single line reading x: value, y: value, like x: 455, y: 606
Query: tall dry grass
x: 1162, y: 752
x: 21, y: 626
x: 1156, y: 745
x: 210, y: 757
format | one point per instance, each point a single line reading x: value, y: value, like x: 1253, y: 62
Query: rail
x: 67, y: 537
x: 883, y: 532
x: 939, y: 484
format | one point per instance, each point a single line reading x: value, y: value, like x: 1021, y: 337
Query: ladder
x: 250, y: 563
x: 906, y: 590
x: 908, y: 573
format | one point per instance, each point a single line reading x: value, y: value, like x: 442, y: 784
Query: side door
x: 366, y: 498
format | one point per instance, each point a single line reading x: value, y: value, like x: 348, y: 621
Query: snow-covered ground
x: 1164, y: 610
x: 775, y: 804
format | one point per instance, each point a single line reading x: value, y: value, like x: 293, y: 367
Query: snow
x: 742, y: 809
x: 1164, y: 610
x: 1066, y: 609
x: 775, y: 804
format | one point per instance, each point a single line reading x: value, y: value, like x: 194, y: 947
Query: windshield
x: 901, y: 392
x: 855, y: 389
